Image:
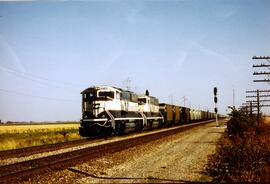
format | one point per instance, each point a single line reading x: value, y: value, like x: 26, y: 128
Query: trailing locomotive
x: 107, y: 110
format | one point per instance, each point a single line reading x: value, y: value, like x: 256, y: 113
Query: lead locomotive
x: 107, y: 110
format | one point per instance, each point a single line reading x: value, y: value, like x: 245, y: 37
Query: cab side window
x: 117, y: 95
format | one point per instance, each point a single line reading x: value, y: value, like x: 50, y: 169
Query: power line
x: 35, y: 96
x: 40, y: 80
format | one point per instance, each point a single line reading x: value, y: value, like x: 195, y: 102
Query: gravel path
x: 177, y: 158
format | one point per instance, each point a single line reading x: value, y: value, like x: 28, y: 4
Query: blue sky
x: 51, y: 51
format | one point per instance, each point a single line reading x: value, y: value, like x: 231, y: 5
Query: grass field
x: 18, y: 136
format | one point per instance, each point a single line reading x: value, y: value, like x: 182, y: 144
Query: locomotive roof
x: 143, y: 95
x: 95, y: 88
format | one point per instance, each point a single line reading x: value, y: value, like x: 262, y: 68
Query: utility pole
x: 171, y: 98
x: 215, y: 100
x: 262, y: 65
x: 251, y: 110
x: 258, y: 97
x: 233, y: 98
x: 258, y: 110
x: 126, y: 83
x: 184, y: 99
x: 258, y: 101
x: 267, y: 80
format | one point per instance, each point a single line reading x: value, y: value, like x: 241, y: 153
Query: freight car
x: 110, y: 110
x: 168, y: 113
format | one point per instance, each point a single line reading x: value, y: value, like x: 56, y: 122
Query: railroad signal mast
x: 215, y: 100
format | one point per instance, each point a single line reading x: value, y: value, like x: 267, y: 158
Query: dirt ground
x: 267, y: 120
x: 178, y: 158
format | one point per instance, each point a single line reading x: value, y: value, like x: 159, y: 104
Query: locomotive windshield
x: 88, y: 96
x: 143, y: 100
x: 105, y: 94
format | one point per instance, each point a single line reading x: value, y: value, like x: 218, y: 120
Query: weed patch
x: 243, y: 155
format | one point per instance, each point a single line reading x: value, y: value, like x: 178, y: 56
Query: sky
x: 179, y: 50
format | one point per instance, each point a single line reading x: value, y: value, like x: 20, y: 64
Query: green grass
x: 18, y: 136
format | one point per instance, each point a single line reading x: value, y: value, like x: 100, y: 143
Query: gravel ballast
x: 178, y: 158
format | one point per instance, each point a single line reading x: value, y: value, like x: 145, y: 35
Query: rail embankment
x: 243, y: 154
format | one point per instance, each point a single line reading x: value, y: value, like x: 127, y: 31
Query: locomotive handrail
x: 144, y: 118
x: 104, y: 124
x: 161, y: 115
x: 112, y: 118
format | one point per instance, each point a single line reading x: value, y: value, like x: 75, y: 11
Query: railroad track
x: 27, y: 169
x: 22, y: 152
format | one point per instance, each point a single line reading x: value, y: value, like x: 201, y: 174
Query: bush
x: 242, y: 155
x: 240, y: 122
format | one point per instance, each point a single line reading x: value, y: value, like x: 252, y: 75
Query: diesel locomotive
x: 110, y: 110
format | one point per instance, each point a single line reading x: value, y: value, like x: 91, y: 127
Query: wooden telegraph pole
x: 258, y: 93
x: 262, y: 65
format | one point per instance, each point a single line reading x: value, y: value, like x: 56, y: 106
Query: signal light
x: 215, y: 91
x: 215, y: 99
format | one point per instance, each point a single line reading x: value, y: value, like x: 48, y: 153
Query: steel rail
x: 26, y: 169
x: 22, y: 152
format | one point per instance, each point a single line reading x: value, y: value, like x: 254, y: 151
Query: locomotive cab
x: 97, y: 105
x: 149, y: 109
x: 97, y: 100
x: 108, y: 109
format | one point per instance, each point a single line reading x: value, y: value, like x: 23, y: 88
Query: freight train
x: 110, y: 110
